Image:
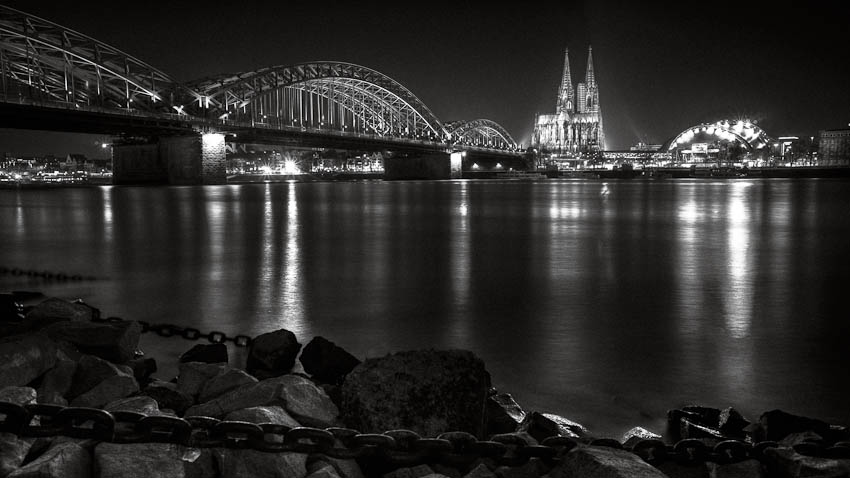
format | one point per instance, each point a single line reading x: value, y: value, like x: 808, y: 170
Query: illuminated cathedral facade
x: 576, y: 127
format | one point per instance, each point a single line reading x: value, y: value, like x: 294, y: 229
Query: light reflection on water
x: 607, y: 302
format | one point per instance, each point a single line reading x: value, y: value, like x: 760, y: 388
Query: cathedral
x: 576, y: 126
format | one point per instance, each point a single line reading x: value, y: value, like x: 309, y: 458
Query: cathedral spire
x: 590, y: 78
x: 566, y: 93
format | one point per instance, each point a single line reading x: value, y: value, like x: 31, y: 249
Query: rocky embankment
x: 78, y: 399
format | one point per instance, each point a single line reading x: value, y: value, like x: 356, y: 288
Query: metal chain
x: 47, y: 275
x: 188, y: 333
x: 399, y: 447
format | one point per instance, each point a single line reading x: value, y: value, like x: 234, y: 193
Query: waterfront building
x: 834, y: 147
x: 576, y: 126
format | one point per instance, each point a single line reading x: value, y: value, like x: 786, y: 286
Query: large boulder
x: 60, y: 379
x: 224, y: 382
x: 92, y: 370
x: 116, y: 342
x: 25, y: 358
x: 272, y: 354
x: 782, y: 462
x: 267, y: 414
x: 207, y: 353
x: 503, y: 414
x: 778, y: 424
x: 59, y: 310
x: 603, y: 462
x: 64, y: 460
x: 327, y: 362
x: 152, y: 460
x: 167, y: 396
x: 544, y: 425
x: 251, y: 463
x: 427, y: 391
x: 192, y: 376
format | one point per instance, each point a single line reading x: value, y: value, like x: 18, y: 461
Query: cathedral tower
x: 576, y: 127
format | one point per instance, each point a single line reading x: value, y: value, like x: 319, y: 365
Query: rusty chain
x: 400, y: 447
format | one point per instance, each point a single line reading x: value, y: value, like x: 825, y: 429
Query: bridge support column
x: 179, y: 160
x: 419, y: 166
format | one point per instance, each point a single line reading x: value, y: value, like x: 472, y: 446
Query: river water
x: 608, y: 302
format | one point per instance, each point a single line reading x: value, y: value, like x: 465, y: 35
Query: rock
x: 266, y: 392
x: 419, y: 471
x: 744, y: 469
x: 167, y: 396
x: 13, y: 450
x: 233, y: 463
x: 52, y: 398
x: 267, y: 414
x: 426, y: 391
x: 706, y: 416
x: 732, y: 423
x: 674, y: 469
x: 272, y: 354
x: 91, y: 371
x: 58, y: 310
x: 109, y: 390
x: 343, y: 468
x: 25, y: 358
x: 10, y: 309
x: 224, y: 382
x: 308, y: 403
x: 637, y: 434
x: 324, y: 472
x: 143, y: 368
x: 65, y: 460
x: 603, y: 462
x: 206, y: 353
x: 327, y: 362
x: 777, y: 424
x: 116, y: 342
x: 693, y: 422
x: 786, y: 463
x: 18, y: 395
x: 531, y: 469
x: 480, y: 471
x: 138, y: 404
x: 59, y: 379
x: 544, y: 425
x: 193, y: 375
x: 152, y: 460
x: 503, y: 414
x: 800, y: 438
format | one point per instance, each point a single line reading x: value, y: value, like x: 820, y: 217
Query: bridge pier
x: 422, y: 166
x: 177, y: 160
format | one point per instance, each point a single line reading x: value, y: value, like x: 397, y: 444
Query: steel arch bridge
x: 47, y: 65
x: 482, y: 133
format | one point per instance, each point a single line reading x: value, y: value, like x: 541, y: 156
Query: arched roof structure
x: 747, y: 134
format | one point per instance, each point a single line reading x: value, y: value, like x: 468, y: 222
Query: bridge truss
x: 45, y: 64
x: 41, y: 61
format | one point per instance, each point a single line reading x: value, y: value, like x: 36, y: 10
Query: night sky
x: 661, y: 67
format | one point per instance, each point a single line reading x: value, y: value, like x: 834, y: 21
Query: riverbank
x: 66, y: 354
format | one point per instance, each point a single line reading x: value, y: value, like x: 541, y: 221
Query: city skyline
x: 661, y: 67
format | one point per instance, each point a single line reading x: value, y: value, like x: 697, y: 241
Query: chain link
x: 399, y: 447
x: 188, y: 333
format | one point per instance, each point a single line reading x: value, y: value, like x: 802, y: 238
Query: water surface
x: 608, y: 302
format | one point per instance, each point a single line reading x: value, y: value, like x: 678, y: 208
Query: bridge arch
x: 481, y: 132
x: 324, y: 94
x: 44, y: 61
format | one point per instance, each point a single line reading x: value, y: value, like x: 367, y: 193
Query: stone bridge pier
x: 176, y: 160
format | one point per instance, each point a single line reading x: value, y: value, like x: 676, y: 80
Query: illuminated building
x: 576, y: 126
x: 835, y: 147
x: 724, y: 143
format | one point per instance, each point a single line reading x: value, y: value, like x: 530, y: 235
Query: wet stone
x: 504, y: 414
x: 603, y: 462
x: 544, y: 425
x: 25, y: 358
x: 115, y: 342
x: 65, y: 460
x: 272, y: 354
x: 206, y: 353
x: 327, y: 362
x: 778, y: 424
